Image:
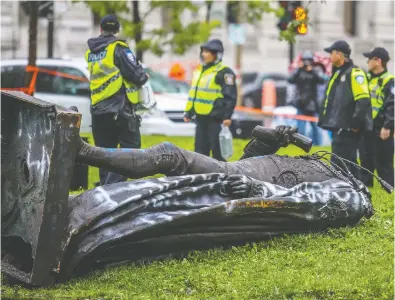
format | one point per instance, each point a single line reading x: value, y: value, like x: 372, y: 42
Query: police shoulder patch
x: 229, y: 79
x: 130, y: 55
x: 360, y: 79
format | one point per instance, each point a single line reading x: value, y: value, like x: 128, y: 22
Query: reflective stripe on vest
x: 376, y: 92
x: 328, y: 89
x: 105, y: 77
x: 204, y: 90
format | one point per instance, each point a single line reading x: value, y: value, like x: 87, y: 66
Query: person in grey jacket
x: 306, y: 80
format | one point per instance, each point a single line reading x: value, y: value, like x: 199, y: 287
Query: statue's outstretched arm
x: 164, y: 158
x: 269, y: 144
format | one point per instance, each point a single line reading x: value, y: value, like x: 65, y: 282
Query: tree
x: 176, y: 35
x: 180, y: 37
x: 33, y: 21
x: 209, y: 4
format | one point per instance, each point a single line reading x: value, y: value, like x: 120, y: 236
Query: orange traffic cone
x: 177, y: 72
x: 269, y: 96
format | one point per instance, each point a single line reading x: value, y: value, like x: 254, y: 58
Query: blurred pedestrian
x: 377, y: 151
x: 115, y: 78
x: 347, y: 107
x: 212, y: 99
x: 307, y: 79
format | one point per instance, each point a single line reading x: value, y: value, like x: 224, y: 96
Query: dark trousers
x: 207, y: 136
x: 377, y: 154
x: 345, y: 144
x: 108, y: 133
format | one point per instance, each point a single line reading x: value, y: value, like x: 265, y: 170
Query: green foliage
x: 256, y: 9
x: 346, y: 263
x: 177, y: 35
x: 103, y: 8
x: 180, y: 37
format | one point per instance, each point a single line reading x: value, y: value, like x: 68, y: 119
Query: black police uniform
x: 347, y: 106
x: 114, y: 120
x: 378, y: 154
x: 208, y: 127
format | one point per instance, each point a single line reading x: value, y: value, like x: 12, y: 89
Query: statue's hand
x: 240, y: 186
x: 284, y: 134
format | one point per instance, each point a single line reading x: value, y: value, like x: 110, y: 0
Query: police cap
x: 378, y: 52
x: 109, y: 23
x: 341, y: 46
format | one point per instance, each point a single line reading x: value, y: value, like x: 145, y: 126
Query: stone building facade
x: 363, y: 24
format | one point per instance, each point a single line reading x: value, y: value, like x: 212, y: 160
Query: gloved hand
x: 240, y: 186
x: 284, y: 134
x: 267, y: 141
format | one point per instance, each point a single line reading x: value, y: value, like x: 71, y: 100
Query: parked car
x: 71, y: 92
x: 252, y: 88
x: 182, y: 86
x: 165, y: 119
x: 54, y: 89
x: 247, y: 78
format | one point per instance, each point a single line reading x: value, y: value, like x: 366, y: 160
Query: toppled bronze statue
x: 47, y: 235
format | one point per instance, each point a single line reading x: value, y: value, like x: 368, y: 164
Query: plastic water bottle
x: 226, y: 142
x: 147, y: 97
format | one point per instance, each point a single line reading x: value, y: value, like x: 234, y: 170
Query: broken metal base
x: 38, y: 142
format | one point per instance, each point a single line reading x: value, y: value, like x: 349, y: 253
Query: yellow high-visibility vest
x: 105, y: 77
x: 359, y: 91
x: 376, y: 86
x: 204, y: 90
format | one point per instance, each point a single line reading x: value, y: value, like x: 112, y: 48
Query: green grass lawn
x: 347, y: 263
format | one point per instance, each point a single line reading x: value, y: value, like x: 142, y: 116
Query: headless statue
x: 259, y: 162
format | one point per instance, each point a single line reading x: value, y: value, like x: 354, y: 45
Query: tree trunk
x: 33, y: 21
x: 138, y: 35
x: 51, y: 18
x: 209, y: 5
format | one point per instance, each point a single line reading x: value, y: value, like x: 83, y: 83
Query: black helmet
x: 213, y: 45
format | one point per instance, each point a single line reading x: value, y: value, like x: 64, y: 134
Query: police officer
x: 347, y: 108
x: 212, y: 99
x: 378, y: 146
x: 115, y: 78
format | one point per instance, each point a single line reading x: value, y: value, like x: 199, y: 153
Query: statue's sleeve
x: 259, y: 148
x: 164, y: 158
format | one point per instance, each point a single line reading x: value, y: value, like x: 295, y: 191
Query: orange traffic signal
x: 300, y: 14
x: 302, y: 29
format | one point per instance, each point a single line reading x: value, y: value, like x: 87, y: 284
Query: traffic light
x: 286, y: 18
x: 300, y: 14
x: 293, y: 11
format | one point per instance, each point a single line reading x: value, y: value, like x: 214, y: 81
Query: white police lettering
x: 130, y: 56
x: 97, y: 56
x: 359, y: 79
x: 229, y: 79
x: 393, y: 90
